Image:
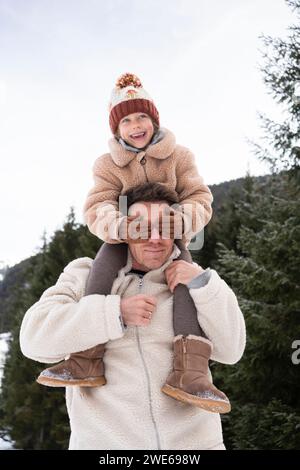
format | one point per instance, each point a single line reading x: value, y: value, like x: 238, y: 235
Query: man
x: 135, y: 322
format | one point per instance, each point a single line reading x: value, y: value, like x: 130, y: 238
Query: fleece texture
x: 163, y: 162
x: 130, y: 411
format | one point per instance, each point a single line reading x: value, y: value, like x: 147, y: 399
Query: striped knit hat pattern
x: 128, y: 97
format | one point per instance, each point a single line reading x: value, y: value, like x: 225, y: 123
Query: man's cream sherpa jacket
x: 130, y: 411
x: 164, y: 162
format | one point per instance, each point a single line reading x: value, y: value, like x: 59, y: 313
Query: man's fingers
x: 147, y: 302
x: 150, y: 304
x: 171, y: 283
x: 172, y: 279
x: 171, y: 272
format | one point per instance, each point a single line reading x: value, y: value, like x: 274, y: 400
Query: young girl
x: 142, y: 151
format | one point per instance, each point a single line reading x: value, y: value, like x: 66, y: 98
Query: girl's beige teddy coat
x: 164, y: 162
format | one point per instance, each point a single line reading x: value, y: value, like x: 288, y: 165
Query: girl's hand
x: 124, y: 229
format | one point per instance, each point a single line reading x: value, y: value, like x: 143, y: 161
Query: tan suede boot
x: 84, y: 369
x: 189, y: 382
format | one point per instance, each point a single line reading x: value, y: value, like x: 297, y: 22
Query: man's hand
x: 181, y: 272
x: 137, y: 309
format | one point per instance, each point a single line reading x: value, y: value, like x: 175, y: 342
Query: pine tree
x: 263, y: 270
x: 227, y: 219
x: 281, y: 75
x: 34, y: 416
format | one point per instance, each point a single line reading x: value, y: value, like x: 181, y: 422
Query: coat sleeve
x: 101, y: 209
x: 221, y: 319
x: 194, y: 196
x: 65, y: 321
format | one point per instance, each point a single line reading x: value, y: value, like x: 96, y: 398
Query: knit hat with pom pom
x: 128, y: 97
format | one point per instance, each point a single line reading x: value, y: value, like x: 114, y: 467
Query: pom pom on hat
x: 129, y: 97
x: 128, y: 79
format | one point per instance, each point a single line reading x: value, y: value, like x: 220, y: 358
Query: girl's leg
x: 108, y: 261
x: 185, y: 320
x: 86, y: 368
x: 189, y: 380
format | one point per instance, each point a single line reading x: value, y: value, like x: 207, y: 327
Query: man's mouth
x: 138, y: 135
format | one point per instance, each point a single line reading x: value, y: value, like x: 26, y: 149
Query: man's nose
x: 155, y: 235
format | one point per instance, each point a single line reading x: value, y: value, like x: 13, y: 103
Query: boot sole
x: 90, y: 382
x: 214, y: 406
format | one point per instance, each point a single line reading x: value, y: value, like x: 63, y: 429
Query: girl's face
x: 136, y: 129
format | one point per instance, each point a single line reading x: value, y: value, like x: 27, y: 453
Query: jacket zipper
x: 143, y: 163
x: 148, y: 377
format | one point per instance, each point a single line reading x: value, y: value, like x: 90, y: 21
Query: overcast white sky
x: 59, y: 60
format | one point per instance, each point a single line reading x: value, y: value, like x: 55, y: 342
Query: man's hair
x: 150, y: 192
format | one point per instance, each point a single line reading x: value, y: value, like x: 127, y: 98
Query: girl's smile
x: 136, y: 129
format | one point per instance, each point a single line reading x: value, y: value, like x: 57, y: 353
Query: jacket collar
x: 160, y: 149
x: 157, y: 137
x: 154, y: 274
